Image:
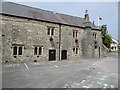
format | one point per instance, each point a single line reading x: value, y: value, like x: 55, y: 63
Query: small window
x: 15, y: 50
x: 50, y: 31
x: 20, y: 51
x: 73, y: 49
x: 35, y: 51
x: 73, y: 33
x: 76, y: 33
x: 76, y: 50
x: 112, y: 48
x: 38, y: 50
x: 95, y: 36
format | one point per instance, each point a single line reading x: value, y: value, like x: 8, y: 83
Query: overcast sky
x: 107, y: 10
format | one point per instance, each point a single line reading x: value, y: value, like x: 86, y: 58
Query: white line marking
x: 77, y: 83
x: 99, y: 72
x: 85, y: 86
x: 112, y: 86
x: 99, y: 82
x: 82, y: 81
x: 26, y: 66
x: 105, y: 85
x: 55, y: 65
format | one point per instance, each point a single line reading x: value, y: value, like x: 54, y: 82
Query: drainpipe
x: 59, y: 40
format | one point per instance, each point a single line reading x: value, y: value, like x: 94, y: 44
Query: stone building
x: 31, y: 34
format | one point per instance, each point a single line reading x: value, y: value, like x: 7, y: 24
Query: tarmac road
x: 92, y: 73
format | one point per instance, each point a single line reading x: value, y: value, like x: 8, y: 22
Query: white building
x: 114, y: 45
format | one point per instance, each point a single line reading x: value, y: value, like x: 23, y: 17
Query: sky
x: 107, y: 10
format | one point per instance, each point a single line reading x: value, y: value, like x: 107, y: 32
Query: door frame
x: 52, y: 58
x: 65, y: 56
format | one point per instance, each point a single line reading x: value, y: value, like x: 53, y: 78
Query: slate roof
x: 114, y: 41
x: 10, y: 8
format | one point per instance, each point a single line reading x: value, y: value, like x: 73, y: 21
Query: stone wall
x: 68, y: 41
x: 28, y: 33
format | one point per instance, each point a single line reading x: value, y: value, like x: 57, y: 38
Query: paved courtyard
x: 92, y: 73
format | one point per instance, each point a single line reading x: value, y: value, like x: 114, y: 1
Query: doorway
x: 64, y: 55
x: 52, y: 55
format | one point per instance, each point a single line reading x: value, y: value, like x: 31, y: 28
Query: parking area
x: 86, y: 73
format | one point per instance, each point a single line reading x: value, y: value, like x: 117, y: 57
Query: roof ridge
x: 70, y: 15
x: 28, y: 6
x: 41, y: 9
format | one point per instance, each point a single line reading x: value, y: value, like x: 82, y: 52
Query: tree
x: 104, y: 29
x: 106, y: 38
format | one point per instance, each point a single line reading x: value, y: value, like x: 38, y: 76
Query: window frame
x: 50, y: 31
x: 75, y: 50
x: 38, y: 51
x: 75, y: 33
x: 19, y: 50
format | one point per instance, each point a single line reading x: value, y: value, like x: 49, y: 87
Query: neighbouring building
x: 114, y: 45
x: 31, y: 34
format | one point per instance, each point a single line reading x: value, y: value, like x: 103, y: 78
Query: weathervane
x: 86, y: 11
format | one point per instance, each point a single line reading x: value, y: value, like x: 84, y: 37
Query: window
x: 38, y: 50
x: 95, y: 35
x: 17, y: 50
x: 75, y: 50
x: 50, y: 31
x: 112, y: 48
x: 75, y: 34
x: 20, y: 50
x: 35, y: 51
